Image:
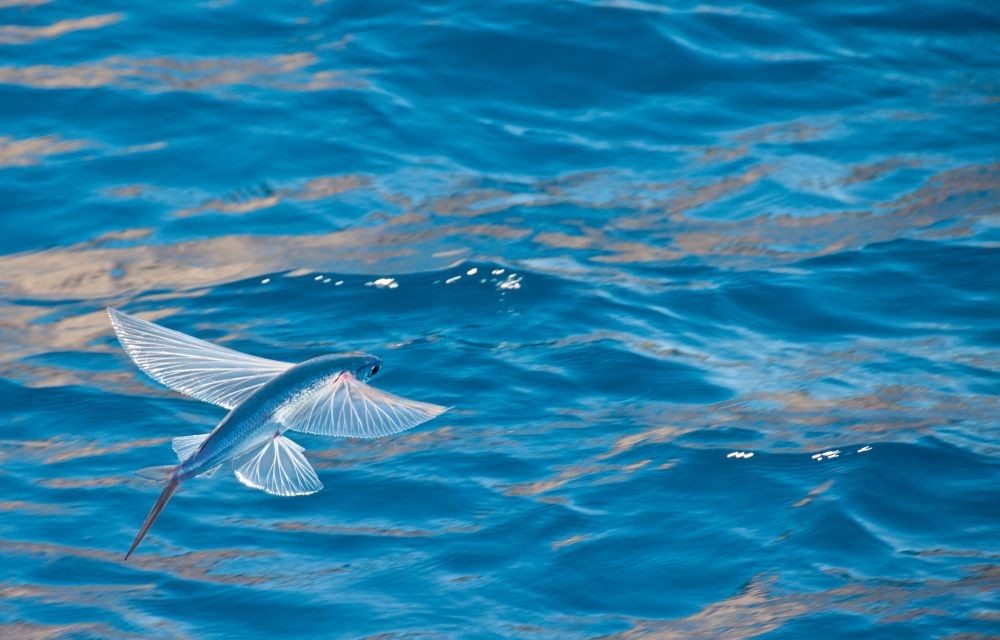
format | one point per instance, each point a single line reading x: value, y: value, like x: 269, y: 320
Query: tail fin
x: 168, y: 490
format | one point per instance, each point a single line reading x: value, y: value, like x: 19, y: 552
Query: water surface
x: 631, y: 243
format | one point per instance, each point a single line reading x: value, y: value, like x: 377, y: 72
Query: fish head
x: 368, y: 366
x: 361, y: 365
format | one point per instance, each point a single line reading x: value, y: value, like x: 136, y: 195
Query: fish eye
x: 375, y: 369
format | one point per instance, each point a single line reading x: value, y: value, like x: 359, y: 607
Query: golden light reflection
x: 353, y: 530
x: 62, y: 448
x: 198, y: 566
x: 755, y: 610
x: 813, y: 494
x: 314, y: 189
x: 286, y: 72
x: 15, y: 34
x: 99, y: 272
x: 34, y: 508
x: 6, y: 4
x: 566, y: 542
x: 30, y: 151
x: 123, y: 600
x: 35, y: 631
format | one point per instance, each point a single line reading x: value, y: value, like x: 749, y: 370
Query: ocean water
x: 713, y: 291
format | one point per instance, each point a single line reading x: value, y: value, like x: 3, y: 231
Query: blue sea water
x: 713, y: 289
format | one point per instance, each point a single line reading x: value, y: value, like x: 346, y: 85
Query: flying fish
x: 325, y: 396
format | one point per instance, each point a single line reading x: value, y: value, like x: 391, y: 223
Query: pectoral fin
x: 194, y: 367
x: 278, y: 468
x: 350, y: 408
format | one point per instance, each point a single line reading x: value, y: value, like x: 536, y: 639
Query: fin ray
x: 191, y: 366
x: 185, y: 446
x: 350, y: 408
x: 279, y: 468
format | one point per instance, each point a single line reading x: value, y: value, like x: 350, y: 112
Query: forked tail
x: 168, y: 490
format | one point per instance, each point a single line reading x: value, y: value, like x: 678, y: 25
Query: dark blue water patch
x: 618, y: 560
x: 927, y: 18
x: 548, y: 63
x: 830, y: 537
x: 966, y: 267
x: 967, y: 512
x: 783, y: 307
x: 903, y: 282
x: 708, y: 437
x: 607, y: 372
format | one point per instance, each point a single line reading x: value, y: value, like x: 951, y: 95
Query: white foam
x: 512, y: 282
x: 381, y: 283
x: 826, y: 455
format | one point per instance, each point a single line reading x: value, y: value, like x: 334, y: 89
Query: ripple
x: 285, y: 71
x: 712, y: 291
x: 30, y: 151
x: 14, y: 34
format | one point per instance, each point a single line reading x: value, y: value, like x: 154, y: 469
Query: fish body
x: 326, y: 396
x: 253, y: 421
